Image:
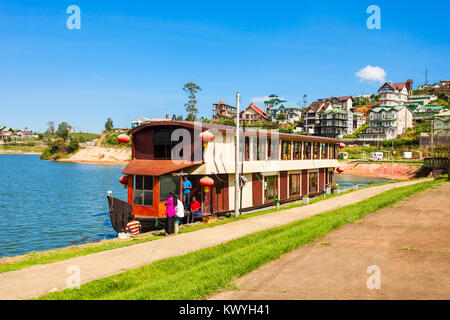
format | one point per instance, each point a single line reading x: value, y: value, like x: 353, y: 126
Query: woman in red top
x: 170, y: 215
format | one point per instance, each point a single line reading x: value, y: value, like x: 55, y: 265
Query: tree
x: 191, y: 89
x: 109, y: 125
x: 63, y: 130
x: 51, y: 127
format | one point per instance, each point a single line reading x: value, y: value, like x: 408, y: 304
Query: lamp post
x: 236, y: 166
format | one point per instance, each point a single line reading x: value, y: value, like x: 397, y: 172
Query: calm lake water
x: 46, y: 205
x: 346, y: 181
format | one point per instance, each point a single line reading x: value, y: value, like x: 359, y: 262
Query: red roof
x: 155, y: 167
x: 258, y: 110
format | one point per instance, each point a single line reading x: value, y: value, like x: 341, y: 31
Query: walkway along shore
x: 42, y: 279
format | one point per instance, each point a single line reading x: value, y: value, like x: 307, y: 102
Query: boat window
x: 254, y: 144
x: 297, y: 150
x: 294, y: 184
x: 143, y: 191
x: 313, y: 182
x: 270, y: 188
x: 247, y: 148
x: 262, y: 148
x: 163, y: 144
x: 273, y: 149
x: 316, y: 150
x: 286, y: 150
x: 167, y: 184
x: 307, y: 152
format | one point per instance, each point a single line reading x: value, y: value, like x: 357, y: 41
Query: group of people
x: 176, y: 209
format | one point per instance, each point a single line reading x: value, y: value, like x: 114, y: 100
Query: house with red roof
x: 395, y: 94
x: 253, y: 114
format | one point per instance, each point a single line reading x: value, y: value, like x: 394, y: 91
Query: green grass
x: 21, y: 148
x: 50, y: 256
x: 203, y: 272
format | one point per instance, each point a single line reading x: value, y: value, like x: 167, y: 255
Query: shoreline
x: 93, y: 161
x: 20, y: 152
x: 399, y: 171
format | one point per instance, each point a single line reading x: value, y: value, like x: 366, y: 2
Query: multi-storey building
x: 222, y: 111
x: 395, y: 94
x: 336, y: 123
x: 442, y: 123
x: 252, y: 114
x: 311, y: 121
x: 425, y: 113
x: 272, y: 102
x: 286, y: 112
x: 387, y: 123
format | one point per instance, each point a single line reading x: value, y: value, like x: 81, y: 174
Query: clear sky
x: 131, y: 58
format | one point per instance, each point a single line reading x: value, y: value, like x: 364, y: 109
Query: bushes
x: 58, y: 149
x: 401, y: 142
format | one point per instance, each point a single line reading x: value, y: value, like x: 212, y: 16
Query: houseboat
x: 275, y: 167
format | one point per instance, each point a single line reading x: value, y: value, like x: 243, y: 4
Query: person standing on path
x: 187, y: 186
x: 170, y: 214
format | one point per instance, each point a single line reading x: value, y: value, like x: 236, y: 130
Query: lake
x: 46, y: 205
x: 346, y: 181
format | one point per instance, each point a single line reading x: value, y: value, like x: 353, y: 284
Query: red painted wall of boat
x: 284, y: 185
x: 257, y: 190
x: 304, y: 182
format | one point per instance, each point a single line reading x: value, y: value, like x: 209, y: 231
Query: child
x: 133, y: 226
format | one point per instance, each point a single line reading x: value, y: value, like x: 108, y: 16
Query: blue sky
x: 131, y: 58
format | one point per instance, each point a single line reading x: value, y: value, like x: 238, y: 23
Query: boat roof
x: 224, y: 128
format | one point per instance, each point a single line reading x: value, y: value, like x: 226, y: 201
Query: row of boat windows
x: 265, y: 149
x: 143, y: 187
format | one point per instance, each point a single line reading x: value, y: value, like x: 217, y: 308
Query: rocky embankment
x: 401, y: 171
x: 97, y: 154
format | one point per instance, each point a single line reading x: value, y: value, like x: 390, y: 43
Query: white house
x: 286, y: 112
x: 387, y: 123
x: 395, y: 94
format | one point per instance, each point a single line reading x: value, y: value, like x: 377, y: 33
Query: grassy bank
x: 201, y: 273
x: 50, y: 256
x: 21, y: 148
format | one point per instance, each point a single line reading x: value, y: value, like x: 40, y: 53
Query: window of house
x: 307, y: 150
x: 143, y: 191
x: 167, y: 184
x: 297, y: 150
x: 316, y: 150
x: 270, y: 188
x: 286, y: 150
x: 294, y: 185
x: 313, y: 182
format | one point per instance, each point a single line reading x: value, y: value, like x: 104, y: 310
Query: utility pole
x: 432, y: 149
x: 236, y: 166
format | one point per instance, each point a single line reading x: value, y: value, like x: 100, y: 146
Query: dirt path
x: 41, y: 279
x: 410, y: 243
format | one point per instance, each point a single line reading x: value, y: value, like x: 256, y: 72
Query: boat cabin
x: 274, y: 166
